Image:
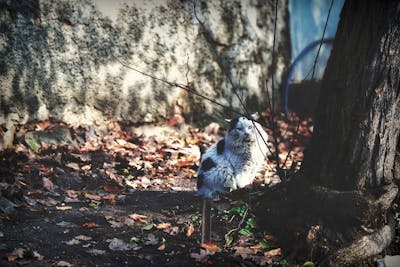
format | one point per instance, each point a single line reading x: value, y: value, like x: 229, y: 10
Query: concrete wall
x: 62, y: 59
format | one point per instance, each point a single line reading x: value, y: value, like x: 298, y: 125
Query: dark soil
x: 69, y: 204
x: 41, y: 231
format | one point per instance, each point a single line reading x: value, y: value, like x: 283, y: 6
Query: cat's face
x: 242, y: 130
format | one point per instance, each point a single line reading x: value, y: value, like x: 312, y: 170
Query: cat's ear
x: 255, y: 116
x: 232, y: 123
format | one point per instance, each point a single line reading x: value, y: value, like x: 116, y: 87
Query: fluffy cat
x: 232, y: 162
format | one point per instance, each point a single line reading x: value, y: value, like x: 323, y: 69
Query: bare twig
x: 210, y: 41
x: 187, y: 88
x: 273, y: 57
x: 321, y: 42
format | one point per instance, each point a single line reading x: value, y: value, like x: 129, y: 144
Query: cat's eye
x: 239, y: 128
x: 250, y: 127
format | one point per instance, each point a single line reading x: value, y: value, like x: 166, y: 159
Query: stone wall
x: 65, y: 59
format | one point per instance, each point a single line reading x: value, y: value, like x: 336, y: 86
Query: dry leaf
x: 138, y: 217
x: 72, y: 194
x: 244, y: 252
x: 172, y: 230
x: 162, y: 226
x: 63, y: 207
x: 212, y: 247
x: 90, y: 225
x: 111, y: 197
x: 86, y: 167
x: 63, y: 264
x: 273, y: 252
x: 72, y: 242
x: 112, y: 189
x: 48, y: 184
x: 73, y: 165
x: 190, y: 230
x: 92, y: 197
x: 162, y: 247
x: 118, y: 244
x: 37, y: 256
x: 96, y: 252
x: 151, y: 240
x: 256, y: 248
x: 202, y: 256
x: 82, y: 238
x: 115, y: 224
x: 108, y: 217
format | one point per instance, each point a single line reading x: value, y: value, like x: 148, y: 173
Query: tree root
x: 365, y: 247
x: 333, y: 228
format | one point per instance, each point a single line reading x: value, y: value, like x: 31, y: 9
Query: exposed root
x: 365, y: 247
x: 338, y: 228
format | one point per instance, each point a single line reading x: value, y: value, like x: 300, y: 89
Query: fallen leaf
x: 212, y: 247
x: 111, y: 197
x: 115, y: 224
x: 138, y: 217
x: 162, y: 226
x: 73, y: 165
x: 256, y: 248
x: 64, y: 264
x: 135, y: 239
x: 120, y: 245
x: 244, y: 252
x: 90, y: 225
x: 82, y: 238
x: 37, y: 256
x: 112, y: 189
x: 172, y: 231
x: 63, y: 207
x: 48, y: 184
x: 108, y: 217
x: 86, y: 167
x: 66, y: 224
x: 72, y: 242
x: 72, y: 194
x: 190, y: 230
x: 148, y: 227
x: 182, y: 163
x: 92, y: 197
x: 273, y: 252
x: 269, y: 238
x: 48, y: 201
x: 17, y: 253
x: 96, y: 252
x: 202, y: 256
x: 162, y: 247
x: 151, y: 240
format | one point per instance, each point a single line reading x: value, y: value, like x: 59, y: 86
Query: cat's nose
x: 246, y: 136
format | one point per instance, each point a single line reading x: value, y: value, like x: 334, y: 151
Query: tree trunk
x: 348, y: 178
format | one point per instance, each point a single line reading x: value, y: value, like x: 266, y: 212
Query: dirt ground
x: 112, y: 195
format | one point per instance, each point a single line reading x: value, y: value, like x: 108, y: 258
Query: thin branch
x: 321, y: 42
x: 273, y: 56
x: 187, y: 88
x: 209, y: 40
x: 312, y: 77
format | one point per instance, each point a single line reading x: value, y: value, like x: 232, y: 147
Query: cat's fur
x: 232, y: 162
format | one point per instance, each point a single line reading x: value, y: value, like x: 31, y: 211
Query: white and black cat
x: 232, y: 162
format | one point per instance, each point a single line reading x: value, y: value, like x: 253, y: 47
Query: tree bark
x: 348, y: 180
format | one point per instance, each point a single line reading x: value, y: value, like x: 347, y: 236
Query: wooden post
x: 206, y: 221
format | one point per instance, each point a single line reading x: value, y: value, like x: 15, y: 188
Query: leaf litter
x: 98, y: 169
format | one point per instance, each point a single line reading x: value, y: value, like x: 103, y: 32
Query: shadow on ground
x: 51, y: 232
